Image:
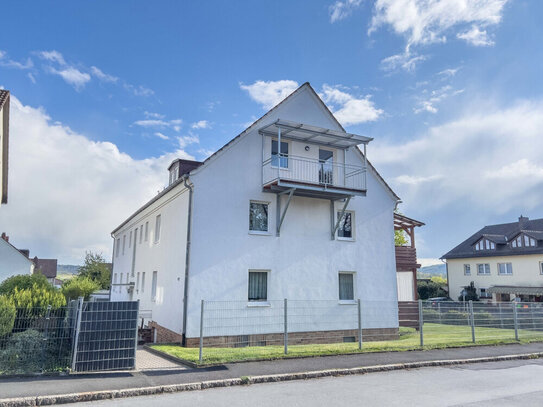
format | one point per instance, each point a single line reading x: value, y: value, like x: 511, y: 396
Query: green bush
x: 430, y: 315
x: 453, y: 317
x: 430, y: 289
x: 24, y: 282
x: 7, y: 315
x: 37, y: 297
x: 22, y: 353
x: 79, y: 287
x: 484, y: 318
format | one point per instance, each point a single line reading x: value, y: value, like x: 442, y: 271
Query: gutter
x: 190, y: 187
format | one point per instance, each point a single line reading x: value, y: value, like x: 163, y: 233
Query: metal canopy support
x: 342, y: 213
x: 281, y: 216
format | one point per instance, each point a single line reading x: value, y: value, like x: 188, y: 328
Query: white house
x: 4, y: 141
x: 289, y: 208
x: 12, y: 261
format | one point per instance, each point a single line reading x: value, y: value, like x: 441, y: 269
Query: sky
x: 106, y: 94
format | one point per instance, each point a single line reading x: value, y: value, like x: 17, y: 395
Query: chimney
x: 5, y: 237
x: 522, y: 221
x: 25, y: 252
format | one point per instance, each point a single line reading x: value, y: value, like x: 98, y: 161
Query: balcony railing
x: 302, y: 170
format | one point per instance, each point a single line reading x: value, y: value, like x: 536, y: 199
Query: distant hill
x: 433, y: 271
x: 67, y: 269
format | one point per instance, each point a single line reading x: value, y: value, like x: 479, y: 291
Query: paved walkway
x: 146, y: 360
x: 21, y: 387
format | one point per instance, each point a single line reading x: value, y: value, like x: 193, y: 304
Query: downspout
x: 112, y: 265
x: 189, y: 186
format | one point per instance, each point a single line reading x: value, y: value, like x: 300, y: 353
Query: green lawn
x: 435, y: 336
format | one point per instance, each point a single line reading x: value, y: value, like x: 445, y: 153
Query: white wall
x: 12, y: 262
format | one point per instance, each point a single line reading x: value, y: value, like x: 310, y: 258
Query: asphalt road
x: 512, y: 383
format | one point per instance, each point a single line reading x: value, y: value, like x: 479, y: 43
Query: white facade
x: 13, y: 262
x: 303, y: 262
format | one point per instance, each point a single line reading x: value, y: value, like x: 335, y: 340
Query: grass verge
x: 436, y: 336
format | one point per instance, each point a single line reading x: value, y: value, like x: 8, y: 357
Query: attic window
x: 174, y: 173
x: 485, y: 244
x: 523, y: 240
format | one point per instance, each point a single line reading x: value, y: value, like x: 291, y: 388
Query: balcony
x: 313, y: 178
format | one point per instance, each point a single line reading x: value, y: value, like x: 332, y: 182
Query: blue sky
x: 108, y: 92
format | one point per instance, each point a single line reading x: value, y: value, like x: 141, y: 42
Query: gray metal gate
x: 106, y: 336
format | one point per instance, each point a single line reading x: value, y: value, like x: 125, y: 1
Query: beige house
x: 503, y: 261
x: 4, y: 138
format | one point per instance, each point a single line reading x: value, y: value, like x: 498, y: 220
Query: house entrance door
x: 326, y: 170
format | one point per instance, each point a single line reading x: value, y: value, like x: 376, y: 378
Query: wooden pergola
x: 408, y: 225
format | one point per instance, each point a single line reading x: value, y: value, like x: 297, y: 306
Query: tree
x: 79, y: 287
x: 471, y: 293
x: 37, y: 297
x: 24, y: 282
x: 430, y: 289
x: 96, y: 269
x: 399, y: 238
x: 7, y: 315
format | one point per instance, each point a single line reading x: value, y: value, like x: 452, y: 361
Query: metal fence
x: 371, y: 325
x: 83, y: 336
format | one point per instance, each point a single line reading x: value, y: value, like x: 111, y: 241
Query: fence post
x: 359, y: 325
x: 472, y: 321
x: 285, y: 334
x: 77, y: 329
x: 421, y: 323
x: 200, y: 357
x: 515, y: 319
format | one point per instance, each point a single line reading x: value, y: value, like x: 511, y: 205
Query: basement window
x: 258, y: 286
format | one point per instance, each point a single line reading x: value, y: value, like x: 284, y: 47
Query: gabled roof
x: 48, y: 267
x: 501, y: 234
x: 8, y: 244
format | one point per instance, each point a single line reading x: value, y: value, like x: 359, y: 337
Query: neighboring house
x: 12, y: 260
x: 504, y: 261
x: 406, y: 259
x: 47, y: 267
x: 290, y: 208
x: 4, y: 143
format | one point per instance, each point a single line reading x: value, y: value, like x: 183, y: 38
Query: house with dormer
x: 504, y: 262
x: 291, y: 208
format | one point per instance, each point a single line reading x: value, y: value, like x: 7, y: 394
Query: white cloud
x: 342, y: 9
x: 348, y: 109
x: 270, y: 93
x: 407, y: 61
x: 98, y: 73
x: 52, y: 56
x: 139, y: 90
x: 160, y: 123
x: 71, y: 191
x: 201, y: 124
x: 423, y: 22
x: 184, y: 141
x: 476, y: 37
x: 10, y: 63
x: 430, y: 99
x: 161, y: 136
x: 31, y: 77
x: 153, y: 115
x: 72, y: 76
x: 450, y: 72
x: 489, y: 160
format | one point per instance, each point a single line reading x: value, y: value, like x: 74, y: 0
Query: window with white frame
x: 146, y: 230
x: 346, y: 286
x: 483, y: 269
x: 541, y: 267
x: 130, y: 240
x: 141, y: 234
x: 154, y: 286
x: 118, y: 247
x: 279, y: 159
x: 467, y: 270
x: 143, y: 282
x: 138, y: 281
x: 505, y: 268
x: 483, y: 293
x: 124, y: 243
x: 345, y: 230
x: 157, y: 228
x: 258, y: 216
x: 258, y: 285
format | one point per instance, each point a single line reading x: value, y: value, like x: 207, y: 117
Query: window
x: 135, y: 237
x: 146, y: 230
x: 157, y: 229
x: 130, y: 240
x: 484, y: 293
x: 346, y: 286
x: 143, y: 282
x: 326, y: 166
x: 479, y: 245
x: 114, y: 282
x: 514, y: 243
x: 153, y: 286
x: 258, y: 217
x: 279, y: 160
x: 483, y: 269
x: 541, y: 267
x: 467, y: 270
x: 505, y: 268
x: 345, y: 228
x: 492, y: 245
x: 141, y: 234
x: 124, y: 243
x: 532, y: 242
x: 138, y: 281
x: 118, y: 247
x: 258, y: 286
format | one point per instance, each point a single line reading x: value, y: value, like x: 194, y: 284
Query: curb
x: 209, y: 384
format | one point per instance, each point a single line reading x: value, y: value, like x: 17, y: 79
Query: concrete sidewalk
x: 42, y: 386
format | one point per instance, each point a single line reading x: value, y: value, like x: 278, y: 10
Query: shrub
x: 79, y: 287
x: 454, y: 317
x: 7, y: 315
x: 37, y: 297
x: 484, y: 318
x: 24, y: 282
x: 430, y: 315
x: 96, y: 268
x: 430, y: 289
x: 22, y: 354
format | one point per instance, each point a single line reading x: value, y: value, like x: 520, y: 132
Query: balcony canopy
x: 312, y: 134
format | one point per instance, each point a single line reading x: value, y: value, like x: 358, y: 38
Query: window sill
x: 348, y: 302
x: 346, y: 239
x: 258, y: 233
x: 258, y: 304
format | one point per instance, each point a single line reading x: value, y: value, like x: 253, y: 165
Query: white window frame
x: 347, y: 302
x: 353, y: 228
x: 486, y: 296
x: 541, y: 267
x: 467, y: 269
x: 259, y: 303
x: 154, y: 285
x: 486, y: 266
x: 137, y: 281
x: 130, y: 240
x: 506, y: 268
x: 118, y: 250
x: 147, y: 231
x: 158, y: 224
x: 124, y: 243
x: 141, y: 233
x: 259, y: 232
x: 289, y: 147
x: 143, y: 282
